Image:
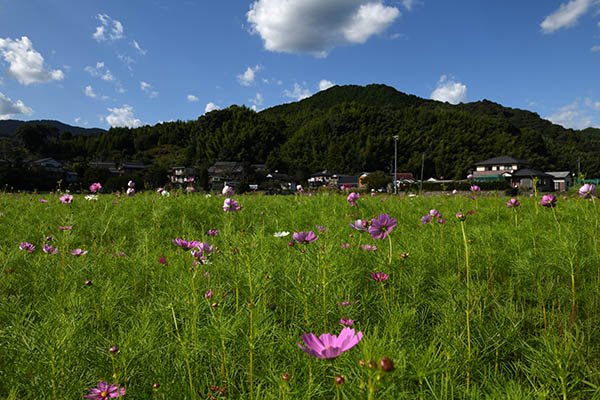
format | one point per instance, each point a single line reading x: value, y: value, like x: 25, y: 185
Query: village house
x: 563, y: 180
x: 181, y: 176
x: 223, y: 172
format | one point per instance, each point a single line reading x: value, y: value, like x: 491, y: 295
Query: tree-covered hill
x: 345, y: 129
x: 10, y: 127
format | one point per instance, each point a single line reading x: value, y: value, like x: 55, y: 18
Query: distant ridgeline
x: 10, y: 127
x: 345, y: 129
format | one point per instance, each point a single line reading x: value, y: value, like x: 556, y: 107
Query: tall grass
x: 488, y: 308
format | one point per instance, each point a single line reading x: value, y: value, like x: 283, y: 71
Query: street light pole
x: 395, y: 164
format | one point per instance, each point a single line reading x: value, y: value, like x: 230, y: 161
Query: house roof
x: 501, y: 160
x: 529, y: 172
x: 559, y: 174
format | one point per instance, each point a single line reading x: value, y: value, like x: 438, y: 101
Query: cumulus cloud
x: 122, y: 117
x: 324, y: 84
x: 566, y: 15
x: 571, y: 116
x: 247, y: 78
x: 257, y: 101
x: 9, y: 109
x: 100, y: 71
x: 210, y: 106
x: 147, y: 88
x: 297, y: 93
x: 449, y: 91
x: 191, y: 98
x: 595, y: 49
x: 89, y: 92
x: 138, y: 48
x: 316, y: 26
x: 25, y: 64
x: 109, y: 29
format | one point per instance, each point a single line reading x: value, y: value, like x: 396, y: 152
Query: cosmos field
x: 155, y: 297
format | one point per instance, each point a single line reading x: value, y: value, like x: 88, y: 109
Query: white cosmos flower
x: 281, y: 234
x: 91, y: 197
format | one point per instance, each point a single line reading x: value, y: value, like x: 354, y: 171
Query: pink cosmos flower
x: 329, y: 346
x: 65, y: 227
x: 353, y: 198
x: 130, y: 191
x: 587, y: 190
x: 49, y: 249
x: 460, y: 216
x: 66, y: 199
x: 548, y: 201
x: 230, y: 205
x: 470, y: 176
x: 435, y: 213
x: 360, y: 225
x: 28, y: 247
x: 78, y: 252
x: 513, y: 203
x: 213, y: 232
x: 203, y: 250
x: 425, y: 219
x: 227, y: 191
x: 475, y: 188
x: 105, y: 391
x: 368, y: 247
x: 382, y: 226
x: 345, y: 245
x: 131, y: 184
x: 95, y: 187
x: 163, y: 260
x: 208, y: 294
x: 347, y: 322
x: 379, y: 276
x: 304, y: 237
x: 42, y: 200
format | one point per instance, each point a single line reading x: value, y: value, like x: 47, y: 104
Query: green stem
x: 468, y: 307
x: 187, y: 360
x: 390, y: 255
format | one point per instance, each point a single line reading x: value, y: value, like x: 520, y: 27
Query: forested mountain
x: 345, y: 129
x: 10, y: 127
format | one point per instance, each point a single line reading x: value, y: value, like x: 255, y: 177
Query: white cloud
x: 100, y: 71
x: 324, y: 84
x: 297, y: 93
x: 449, y: 91
x: 317, y: 26
x: 191, y: 98
x: 566, y: 15
x: 25, y: 64
x: 247, y: 78
x: 109, y: 29
x: 409, y: 4
x: 595, y: 49
x: 147, y: 88
x: 9, y: 109
x: 574, y: 116
x: 257, y: 101
x: 128, y: 61
x: 122, y: 117
x: 211, y: 107
x: 89, y: 92
x: 139, y: 49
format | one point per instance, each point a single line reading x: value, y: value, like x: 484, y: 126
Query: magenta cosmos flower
x: 587, y: 190
x: 548, y: 200
x: 66, y: 199
x: 304, y: 237
x: 28, y: 247
x: 49, y: 249
x: 105, y: 391
x: 203, y: 250
x: 213, y: 232
x: 230, y: 205
x: 185, y: 244
x: 513, y: 203
x: 353, y: 198
x: 382, y: 226
x: 379, y: 276
x: 95, y: 187
x: 475, y: 188
x: 328, y: 345
x: 78, y: 252
x: 360, y: 225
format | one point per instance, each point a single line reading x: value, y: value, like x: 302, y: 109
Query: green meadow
x: 502, y: 305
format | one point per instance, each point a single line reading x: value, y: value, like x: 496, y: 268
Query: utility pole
x: 395, y: 164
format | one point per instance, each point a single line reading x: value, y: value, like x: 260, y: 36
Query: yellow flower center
x: 104, y: 394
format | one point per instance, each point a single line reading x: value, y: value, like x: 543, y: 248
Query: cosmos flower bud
x: 386, y: 364
x: 339, y: 380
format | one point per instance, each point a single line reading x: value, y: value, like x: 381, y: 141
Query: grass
x: 521, y: 322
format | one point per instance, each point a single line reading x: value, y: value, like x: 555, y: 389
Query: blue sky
x: 102, y: 63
